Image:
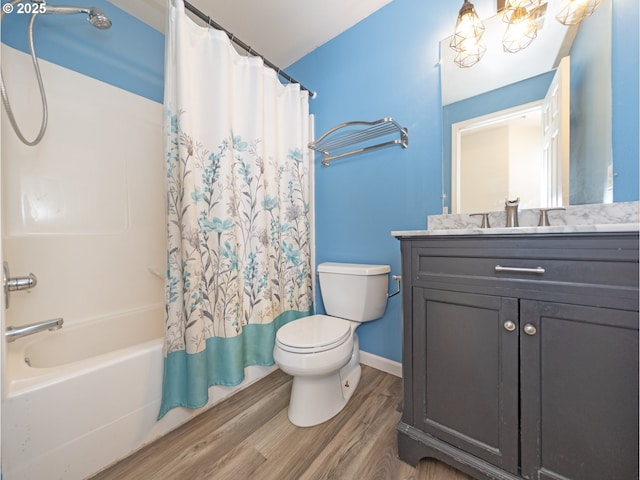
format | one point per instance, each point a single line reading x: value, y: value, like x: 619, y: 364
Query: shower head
x: 94, y: 14
x: 98, y: 19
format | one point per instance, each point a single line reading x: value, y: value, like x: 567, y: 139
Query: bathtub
x: 83, y: 397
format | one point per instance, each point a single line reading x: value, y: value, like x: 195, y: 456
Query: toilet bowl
x: 321, y: 352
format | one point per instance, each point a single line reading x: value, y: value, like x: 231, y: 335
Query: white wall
x: 484, y: 170
x: 84, y: 209
x: 525, y: 165
x: 499, y: 163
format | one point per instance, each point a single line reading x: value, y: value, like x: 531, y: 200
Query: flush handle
x: 397, y: 278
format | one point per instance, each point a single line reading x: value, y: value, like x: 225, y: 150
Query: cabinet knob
x: 509, y: 326
x: 530, y: 329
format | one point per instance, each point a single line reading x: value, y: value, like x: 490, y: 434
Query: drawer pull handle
x: 535, y: 271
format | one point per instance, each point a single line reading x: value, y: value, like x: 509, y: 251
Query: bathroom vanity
x: 520, y: 352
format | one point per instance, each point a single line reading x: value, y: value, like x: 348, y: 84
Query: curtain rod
x: 244, y: 46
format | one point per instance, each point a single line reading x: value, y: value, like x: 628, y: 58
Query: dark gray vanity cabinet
x: 465, y: 367
x: 520, y: 354
x: 579, y: 392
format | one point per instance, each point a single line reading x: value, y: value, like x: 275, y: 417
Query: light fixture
x: 522, y: 17
x: 522, y: 28
x: 572, y: 12
x: 510, y: 7
x: 466, y: 38
x: 469, y: 53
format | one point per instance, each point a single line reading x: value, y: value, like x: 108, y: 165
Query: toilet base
x: 316, y: 399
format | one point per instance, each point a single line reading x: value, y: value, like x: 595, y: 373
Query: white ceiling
x: 283, y: 31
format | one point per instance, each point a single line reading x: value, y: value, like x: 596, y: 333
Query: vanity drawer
x: 603, y: 267
x: 601, y: 272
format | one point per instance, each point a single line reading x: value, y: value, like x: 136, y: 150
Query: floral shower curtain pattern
x: 238, y: 206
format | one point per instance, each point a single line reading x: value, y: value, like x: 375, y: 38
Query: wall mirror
x: 512, y: 84
x: 494, y: 157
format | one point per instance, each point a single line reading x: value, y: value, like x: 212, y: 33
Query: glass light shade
x: 510, y: 7
x: 468, y: 27
x: 470, y: 51
x: 572, y: 12
x: 521, y: 31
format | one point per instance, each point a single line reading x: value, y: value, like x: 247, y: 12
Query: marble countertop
x: 611, y: 227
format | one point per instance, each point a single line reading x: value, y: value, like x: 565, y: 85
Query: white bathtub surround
x: 573, y: 215
x: 84, y: 412
x: 84, y: 209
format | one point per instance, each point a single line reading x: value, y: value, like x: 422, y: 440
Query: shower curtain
x: 238, y: 206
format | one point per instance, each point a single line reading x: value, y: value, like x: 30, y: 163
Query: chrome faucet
x: 13, y: 333
x: 511, y: 207
x: 544, y: 217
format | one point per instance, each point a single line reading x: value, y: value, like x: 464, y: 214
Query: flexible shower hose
x: 5, y: 96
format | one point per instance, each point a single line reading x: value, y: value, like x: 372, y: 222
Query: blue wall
x: 591, y: 110
x: 386, y: 66
x: 624, y: 81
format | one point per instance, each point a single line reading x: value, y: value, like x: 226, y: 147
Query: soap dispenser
x: 511, y: 207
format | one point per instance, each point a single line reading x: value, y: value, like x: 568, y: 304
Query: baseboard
x: 381, y: 363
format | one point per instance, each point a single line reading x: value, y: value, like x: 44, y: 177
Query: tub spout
x: 13, y: 333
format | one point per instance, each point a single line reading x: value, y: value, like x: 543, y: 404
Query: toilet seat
x: 316, y: 333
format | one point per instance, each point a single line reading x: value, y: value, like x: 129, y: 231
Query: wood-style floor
x: 249, y: 436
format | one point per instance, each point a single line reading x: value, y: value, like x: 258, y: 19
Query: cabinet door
x: 465, y: 372
x: 579, y: 400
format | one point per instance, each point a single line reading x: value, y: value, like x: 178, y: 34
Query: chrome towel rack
x: 359, y: 132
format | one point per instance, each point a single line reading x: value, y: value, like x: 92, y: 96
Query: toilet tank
x: 354, y: 291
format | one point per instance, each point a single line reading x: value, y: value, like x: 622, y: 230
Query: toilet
x: 321, y: 352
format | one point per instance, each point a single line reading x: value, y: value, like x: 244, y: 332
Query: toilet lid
x: 313, y: 334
